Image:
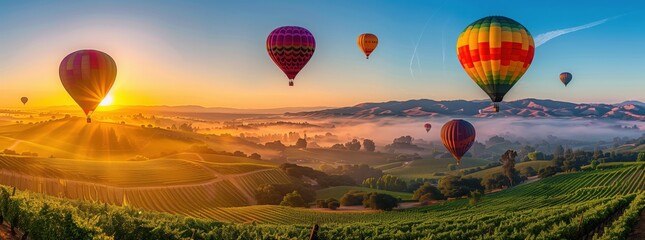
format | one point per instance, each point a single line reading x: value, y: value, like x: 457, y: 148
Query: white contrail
x: 545, y: 37
x: 414, y: 53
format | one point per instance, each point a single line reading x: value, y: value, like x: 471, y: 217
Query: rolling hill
x: 426, y: 168
x: 583, y: 205
x: 74, y: 138
x: 164, y: 184
x: 532, y: 108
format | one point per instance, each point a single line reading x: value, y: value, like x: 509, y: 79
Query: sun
x: 107, y: 101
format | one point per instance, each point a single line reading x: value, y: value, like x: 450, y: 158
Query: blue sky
x: 212, y: 53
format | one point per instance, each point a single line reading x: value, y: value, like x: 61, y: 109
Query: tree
x: 369, y: 182
x: 369, y: 145
x: 597, y: 153
x: 508, y: 160
x: 268, y: 194
x: 594, y: 164
x: 354, y: 145
x: 275, y: 145
x: 528, y: 171
x: 641, y: 157
x: 427, y: 192
x: 338, y: 146
x: 452, y: 167
x: 380, y: 201
x: 255, y: 156
x: 456, y: 186
x: 474, y: 197
x: 333, y: 205
x: 352, y: 198
x: 293, y: 199
x: 535, y: 155
x: 301, y: 143
x: 403, y: 140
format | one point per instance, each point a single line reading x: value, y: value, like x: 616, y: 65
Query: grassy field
x: 336, y: 157
x: 426, y: 168
x: 534, y: 164
x: 337, y: 192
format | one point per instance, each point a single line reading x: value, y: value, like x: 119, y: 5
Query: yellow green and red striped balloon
x: 495, y: 52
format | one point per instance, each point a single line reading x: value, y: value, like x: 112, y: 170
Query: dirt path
x: 639, y: 229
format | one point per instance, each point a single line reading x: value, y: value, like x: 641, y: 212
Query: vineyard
x: 565, y: 206
x: 208, y: 181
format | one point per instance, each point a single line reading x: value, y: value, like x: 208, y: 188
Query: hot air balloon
x: 495, y: 52
x: 457, y: 136
x: 24, y: 100
x: 87, y: 75
x: 427, y: 126
x: 367, y: 42
x: 565, y: 78
x: 291, y: 47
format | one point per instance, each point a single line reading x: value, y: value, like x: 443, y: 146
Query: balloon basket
x: 290, y: 83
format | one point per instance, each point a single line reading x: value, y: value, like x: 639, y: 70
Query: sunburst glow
x: 107, y: 101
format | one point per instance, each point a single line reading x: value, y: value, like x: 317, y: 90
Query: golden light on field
x: 107, y: 101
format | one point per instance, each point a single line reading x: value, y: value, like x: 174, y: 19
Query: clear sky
x: 212, y: 53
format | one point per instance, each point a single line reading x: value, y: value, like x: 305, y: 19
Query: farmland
x: 209, y: 181
x: 566, y: 206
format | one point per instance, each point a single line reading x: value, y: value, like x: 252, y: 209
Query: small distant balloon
x: 367, y: 42
x: 427, y: 126
x: 565, y: 78
x: 24, y: 100
x: 458, y: 136
x: 291, y: 47
x: 88, y: 76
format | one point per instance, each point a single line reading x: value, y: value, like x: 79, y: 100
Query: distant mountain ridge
x: 629, y: 110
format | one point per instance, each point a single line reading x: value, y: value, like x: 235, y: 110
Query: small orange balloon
x: 367, y: 42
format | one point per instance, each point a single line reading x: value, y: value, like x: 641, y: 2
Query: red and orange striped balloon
x: 88, y: 76
x: 458, y: 136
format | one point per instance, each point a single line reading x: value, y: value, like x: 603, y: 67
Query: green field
x: 534, y: 164
x: 337, y: 192
x: 336, y: 157
x: 565, y: 206
x: 426, y: 168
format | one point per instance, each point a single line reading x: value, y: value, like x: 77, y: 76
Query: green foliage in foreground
x: 565, y: 206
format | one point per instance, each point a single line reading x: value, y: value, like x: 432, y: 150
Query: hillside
x: 74, y: 138
x: 566, y: 206
x: 163, y: 184
x: 426, y: 168
x: 531, y: 108
x: 519, y: 166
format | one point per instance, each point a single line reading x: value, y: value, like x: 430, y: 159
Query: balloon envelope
x: 87, y: 75
x: 495, y: 52
x: 367, y: 42
x: 24, y: 100
x: 291, y: 47
x: 427, y: 126
x: 565, y: 78
x: 458, y: 136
